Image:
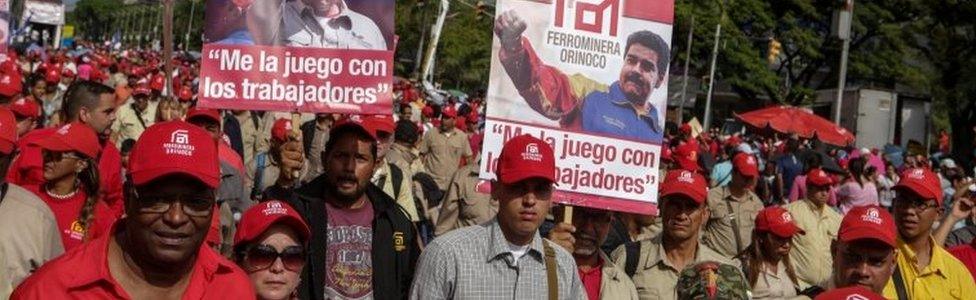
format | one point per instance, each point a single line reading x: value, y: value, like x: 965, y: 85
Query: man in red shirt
x: 155, y: 251
x: 602, y: 279
x: 92, y: 104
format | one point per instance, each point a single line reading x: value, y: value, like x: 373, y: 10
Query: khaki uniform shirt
x: 28, y: 234
x: 656, y: 277
x: 442, y: 154
x: 719, y: 233
x: 249, y: 135
x: 463, y: 205
x: 127, y: 124
x: 406, y: 158
x: 614, y: 283
x: 5, y: 285
x: 810, y: 253
x: 381, y: 178
x: 774, y: 285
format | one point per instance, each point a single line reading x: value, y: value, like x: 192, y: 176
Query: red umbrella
x: 794, y: 120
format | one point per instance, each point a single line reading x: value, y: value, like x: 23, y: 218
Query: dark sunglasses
x: 262, y: 256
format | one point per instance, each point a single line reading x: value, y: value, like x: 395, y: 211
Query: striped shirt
x: 475, y: 262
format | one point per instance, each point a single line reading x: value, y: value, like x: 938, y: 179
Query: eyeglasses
x: 263, y: 256
x: 917, y: 204
x: 57, y: 156
x: 193, y: 205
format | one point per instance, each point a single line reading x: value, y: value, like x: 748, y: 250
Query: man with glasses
x: 925, y: 270
x: 655, y: 264
x: 155, y: 251
x: 601, y: 278
x: 810, y: 253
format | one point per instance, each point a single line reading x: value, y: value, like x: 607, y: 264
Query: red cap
x: 746, y: 164
x: 855, y: 292
x: 174, y: 147
x: 686, y: 183
x: 9, y: 84
x: 685, y: 128
x: 25, y: 107
x: 733, y: 141
x: 381, y: 123
x: 666, y: 154
x: 141, y: 89
x: 76, y: 137
x: 186, y: 94
x: 818, y: 177
x: 52, y: 76
x: 687, y: 157
x: 922, y: 182
x: 260, y: 217
x: 427, y: 111
x: 868, y: 222
x: 525, y: 157
x: 68, y: 73
x: 473, y: 117
x: 8, y: 131
x: 280, y: 129
x: 448, y: 111
x: 778, y: 221
x: 208, y: 113
x: 157, y: 82
x: 355, y: 122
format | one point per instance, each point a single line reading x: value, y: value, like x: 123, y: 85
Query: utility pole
x: 842, y: 29
x: 426, y: 74
x: 711, y: 72
x: 189, y: 26
x: 684, y: 83
x: 168, y: 45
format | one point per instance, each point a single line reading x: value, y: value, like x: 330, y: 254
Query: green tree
x: 94, y: 18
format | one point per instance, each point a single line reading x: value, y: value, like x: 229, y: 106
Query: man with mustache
x: 602, y: 279
x: 505, y: 258
x: 363, y: 245
x: 621, y: 109
x: 654, y: 265
x: 864, y: 252
x: 925, y: 270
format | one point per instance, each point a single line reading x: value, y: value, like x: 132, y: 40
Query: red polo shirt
x: 67, y: 211
x: 591, y: 280
x: 83, y: 273
x: 28, y: 168
x: 967, y: 255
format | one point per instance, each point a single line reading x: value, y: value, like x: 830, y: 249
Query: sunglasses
x: 262, y: 256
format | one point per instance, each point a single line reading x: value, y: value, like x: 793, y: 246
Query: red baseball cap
x: 746, y: 164
x: 10, y: 84
x: 687, y: 157
x: 25, y: 107
x: 157, y: 82
x: 68, y: 73
x: 778, y: 221
x: 260, y: 217
x: 685, y: 183
x: 52, y: 76
x: 8, y: 131
x: 280, y: 129
x: 141, y: 89
x: 922, y: 182
x: 76, y: 137
x: 448, y: 111
x: 868, y: 222
x: 208, y: 113
x: 174, y: 147
x: 380, y: 123
x: 354, y: 122
x: 818, y: 177
x: 525, y: 157
x: 685, y: 128
x: 855, y: 292
x: 186, y: 94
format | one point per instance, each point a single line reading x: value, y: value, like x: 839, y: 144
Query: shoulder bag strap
x: 551, y: 279
x: 899, y: 284
x: 633, y: 256
x: 735, y: 224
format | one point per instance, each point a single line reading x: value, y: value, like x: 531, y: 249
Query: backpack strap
x: 397, y: 176
x: 633, y: 255
x: 899, y: 284
x: 551, y: 278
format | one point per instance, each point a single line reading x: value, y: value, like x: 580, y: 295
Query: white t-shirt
x: 517, y: 252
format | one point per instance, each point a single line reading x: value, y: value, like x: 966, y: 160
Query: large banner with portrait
x: 589, y: 77
x: 298, y: 55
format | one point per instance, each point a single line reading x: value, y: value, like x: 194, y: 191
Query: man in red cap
x: 27, y: 113
x: 155, y: 251
x: 443, y: 149
x: 686, y: 156
x: 92, y: 104
x: 925, y: 270
x: 134, y: 116
x: 864, y: 252
x: 394, y: 181
x: 285, y: 153
x: 655, y: 264
x: 352, y: 218
x: 810, y: 254
x: 733, y: 209
x: 29, y: 235
x: 512, y: 259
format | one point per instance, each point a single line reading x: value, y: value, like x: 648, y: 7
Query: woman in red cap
x: 766, y: 262
x: 71, y: 183
x: 270, y: 246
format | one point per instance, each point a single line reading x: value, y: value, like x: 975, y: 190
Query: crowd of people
x: 117, y: 186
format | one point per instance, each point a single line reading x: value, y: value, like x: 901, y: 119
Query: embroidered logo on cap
x: 787, y: 217
x: 179, y: 143
x: 750, y: 160
x: 532, y: 152
x: 871, y: 215
x: 856, y: 297
x: 917, y: 174
x: 64, y: 129
x: 686, y: 177
x: 274, y: 208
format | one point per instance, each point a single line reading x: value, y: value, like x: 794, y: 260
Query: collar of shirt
x: 936, y: 261
x: 657, y: 255
x: 93, y: 268
x: 726, y: 192
x: 498, y: 245
x: 819, y: 212
x: 406, y: 152
x: 646, y: 113
x: 780, y: 270
x: 306, y: 10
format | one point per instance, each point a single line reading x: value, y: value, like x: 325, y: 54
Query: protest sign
x: 301, y: 56
x: 589, y: 78
x: 4, y: 28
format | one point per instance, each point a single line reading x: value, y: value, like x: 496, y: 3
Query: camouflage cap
x: 712, y: 280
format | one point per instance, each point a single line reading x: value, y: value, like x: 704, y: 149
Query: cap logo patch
x: 856, y: 297
x: 821, y: 173
x: 686, y: 177
x: 64, y: 129
x: 532, y: 152
x: 917, y: 174
x: 751, y: 160
x: 179, y: 143
x: 274, y: 208
x: 787, y: 217
x: 872, y: 216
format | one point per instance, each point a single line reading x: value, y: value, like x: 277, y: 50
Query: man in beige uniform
x: 583, y: 239
x: 660, y: 260
x: 463, y: 205
x: 733, y: 209
x: 443, y: 149
x: 134, y: 116
x: 403, y: 153
x: 383, y: 176
x: 810, y: 253
x: 28, y: 231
